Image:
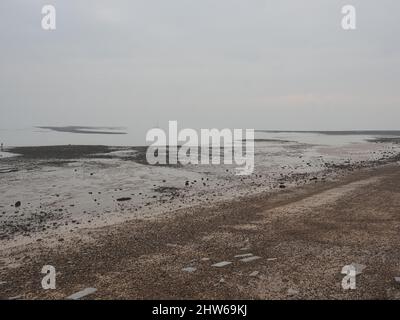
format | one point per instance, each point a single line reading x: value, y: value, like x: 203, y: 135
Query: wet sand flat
x: 63, y: 189
x: 287, y: 245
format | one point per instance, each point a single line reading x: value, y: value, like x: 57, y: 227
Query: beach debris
x: 254, y: 274
x: 124, y: 199
x: 189, y: 269
x: 359, y: 267
x: 249, y: 259
x: 80, y: 294
x: 272, y: 259
x: 221, y: 264
x: 243, y: 255
x: 17, y: 204
x: 2, y: 282
x: 205, y: 259
x: 15, y: 298
x: 397, y: 279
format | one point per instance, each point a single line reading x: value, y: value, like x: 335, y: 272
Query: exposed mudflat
x: 106, y: 219
x: 62, y: 189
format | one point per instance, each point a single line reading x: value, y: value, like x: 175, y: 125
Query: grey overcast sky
x: 282, y: 64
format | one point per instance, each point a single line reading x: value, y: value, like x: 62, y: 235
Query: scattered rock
x: 245, y: 249
x: 243, y: 255
x: 254, y: 274
x: 221, y: 264
x: 249, y: 259
x: 124, y: 199
x: 17, y: 204
x: 81, y: 294
x: 189, y: 269
x: 292, y: 292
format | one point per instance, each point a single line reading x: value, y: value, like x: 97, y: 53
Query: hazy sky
x: 259, y: 64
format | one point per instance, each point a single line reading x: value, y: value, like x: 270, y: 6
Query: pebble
x: 81, y: 294
x: 221, y: 264
x: 124, y: 199
x: 243, y: 255
x: 189, y: 269
x: 249, y: 259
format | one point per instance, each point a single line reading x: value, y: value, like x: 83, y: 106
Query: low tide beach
x: 105, y: 219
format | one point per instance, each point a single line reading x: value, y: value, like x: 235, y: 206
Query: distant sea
x: 120, y: 136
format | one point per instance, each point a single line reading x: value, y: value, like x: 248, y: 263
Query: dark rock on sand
x: 124, y: 199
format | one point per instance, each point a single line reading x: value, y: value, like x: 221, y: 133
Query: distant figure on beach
x: 1, y: 147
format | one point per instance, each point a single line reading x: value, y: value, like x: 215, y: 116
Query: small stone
x: 243, y: 255
x: 221, y: 264
x: 124, y: 199
x: 81, y: 294
x: 189, y: 269
x: 17, y: 204
x: 249, y: 259
x: 254, y: 274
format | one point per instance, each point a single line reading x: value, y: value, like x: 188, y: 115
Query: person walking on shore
x: 1, y: 147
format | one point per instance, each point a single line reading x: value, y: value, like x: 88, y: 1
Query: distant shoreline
x: 338, y: 132
x: 86, y: 130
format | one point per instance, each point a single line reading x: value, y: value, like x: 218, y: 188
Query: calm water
x: 31, y: 136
